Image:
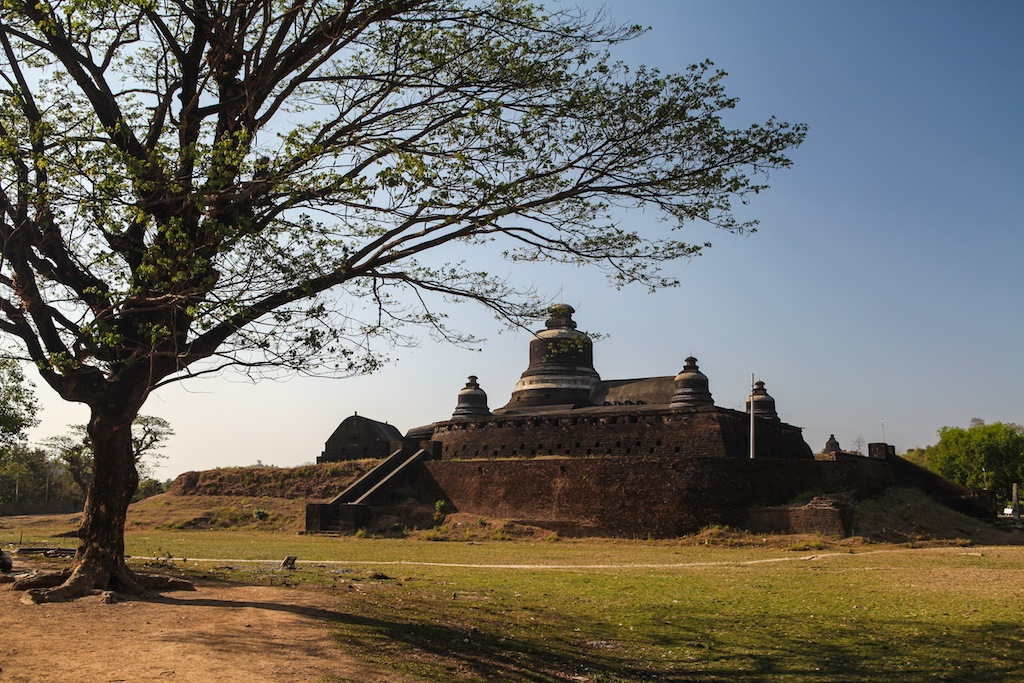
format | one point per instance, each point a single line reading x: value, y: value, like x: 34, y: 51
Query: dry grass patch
x: 217, y: 512
x: 906, y: 515
x: 307, y: 481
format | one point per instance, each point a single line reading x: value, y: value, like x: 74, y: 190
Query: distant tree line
x: 61, y: 468
x: 984, y: 456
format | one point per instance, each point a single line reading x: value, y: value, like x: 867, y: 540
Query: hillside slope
x: 306, y: 481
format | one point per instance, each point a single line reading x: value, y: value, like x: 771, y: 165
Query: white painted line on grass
x: 555, y: 567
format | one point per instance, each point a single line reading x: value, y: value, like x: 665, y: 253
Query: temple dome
x: 691, y: 387
x: 472, y: 401
x: 764, y: 405
x: 561, y: 369
x: 832, y: 446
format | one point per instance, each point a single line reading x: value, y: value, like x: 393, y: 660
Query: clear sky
x: 885, y: 284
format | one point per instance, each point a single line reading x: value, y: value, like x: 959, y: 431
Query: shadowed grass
x: 913, y: 616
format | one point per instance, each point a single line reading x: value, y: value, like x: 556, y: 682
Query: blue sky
x: 885, y: 283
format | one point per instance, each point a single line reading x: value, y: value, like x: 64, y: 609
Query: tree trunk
x: 99, y: 562
x: 74, y: 467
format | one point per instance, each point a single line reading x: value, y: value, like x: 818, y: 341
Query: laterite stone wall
x: 645, y: 495
x: 634, y: 432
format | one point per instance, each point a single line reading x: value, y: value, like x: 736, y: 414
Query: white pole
x: 883, y: 431
x: 751, y: 416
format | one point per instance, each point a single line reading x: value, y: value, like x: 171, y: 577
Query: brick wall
x: 644, y: 495
x: 633, y: 432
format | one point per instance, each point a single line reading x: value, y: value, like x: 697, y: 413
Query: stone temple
x: 653, y: 456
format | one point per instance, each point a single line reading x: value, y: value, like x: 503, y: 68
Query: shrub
x: 439, y: 510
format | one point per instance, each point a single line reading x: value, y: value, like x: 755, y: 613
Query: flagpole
x: 751, y: 416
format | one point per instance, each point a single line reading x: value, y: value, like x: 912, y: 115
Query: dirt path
x: 227, y: 634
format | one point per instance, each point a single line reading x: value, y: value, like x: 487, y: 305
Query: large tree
x: 196, y: 184
x: 985, y: 456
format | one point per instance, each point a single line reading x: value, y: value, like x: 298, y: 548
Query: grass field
x: 606, y: 611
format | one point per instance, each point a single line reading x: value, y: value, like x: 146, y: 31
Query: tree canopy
x: 32, y: 475
x: 18, y: 405
x: 986, y: 456
x: 185, y: 181
x: 190, y: 185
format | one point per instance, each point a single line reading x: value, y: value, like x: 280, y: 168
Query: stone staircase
x: 350, y: 510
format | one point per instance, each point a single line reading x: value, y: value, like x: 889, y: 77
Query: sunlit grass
x: 614, y: 611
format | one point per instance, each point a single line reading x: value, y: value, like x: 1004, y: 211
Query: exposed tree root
x: 44, y: 580
x: 160, y: 582
x: 76, y: 585
x: 67, y: 584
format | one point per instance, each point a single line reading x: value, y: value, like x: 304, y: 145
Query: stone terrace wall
x: 306, y: 481
x: 625, y: 431
x: 52, y: 508
x: 643, y: 495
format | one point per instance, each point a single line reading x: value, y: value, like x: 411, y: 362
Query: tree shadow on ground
x: 990, y: 651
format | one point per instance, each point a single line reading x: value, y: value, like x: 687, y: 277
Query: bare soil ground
x: 217, y: 633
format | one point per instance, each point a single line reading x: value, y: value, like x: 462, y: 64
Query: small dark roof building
x: 359, y: 437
